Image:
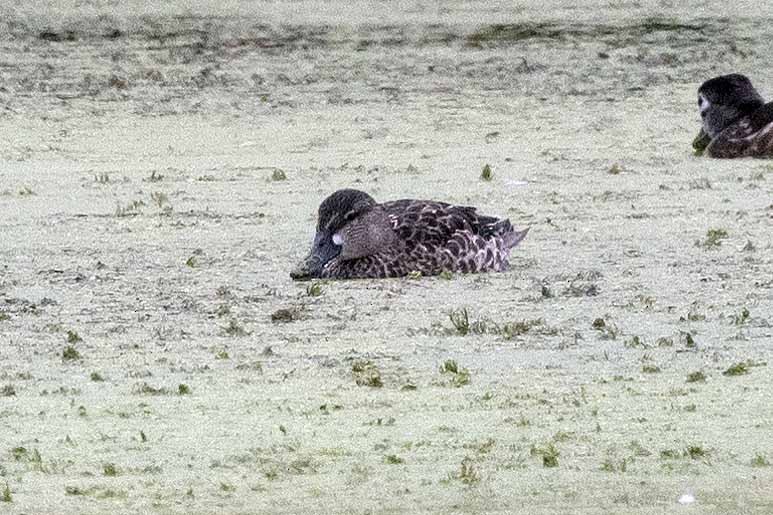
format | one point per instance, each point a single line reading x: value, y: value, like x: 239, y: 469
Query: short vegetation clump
x: 366, y: 374
x: 458, y: 376
x: 70, y: 353
x: 486, y: 174
x: 713, y: 239
x: 462, y: 325
x: 549, y: 455
x: 737, y: 369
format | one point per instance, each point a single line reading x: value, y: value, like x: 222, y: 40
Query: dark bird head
x: 724, y: 99
x: 349, y: 225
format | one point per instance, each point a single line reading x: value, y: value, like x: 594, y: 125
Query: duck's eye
x: 348, y: 217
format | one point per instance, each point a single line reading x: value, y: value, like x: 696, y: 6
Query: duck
x: 736, y: 120
x: 358, y: 238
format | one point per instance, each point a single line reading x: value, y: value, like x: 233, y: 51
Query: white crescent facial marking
x: 704, y: 104
x: 338, y: 239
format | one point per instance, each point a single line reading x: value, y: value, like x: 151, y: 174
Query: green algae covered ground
x: 160, y: 170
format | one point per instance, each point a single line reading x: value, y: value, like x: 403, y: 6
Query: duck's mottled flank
x: 736, y: 120
x: 396, y: 238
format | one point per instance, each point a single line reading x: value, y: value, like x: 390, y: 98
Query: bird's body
x: 358, y: 238
x: 736, y: 120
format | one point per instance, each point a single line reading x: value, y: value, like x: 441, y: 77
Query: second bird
x: 736, y: 120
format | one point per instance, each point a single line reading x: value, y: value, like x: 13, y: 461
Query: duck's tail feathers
x: 502, y: 228
x: 514, y: 237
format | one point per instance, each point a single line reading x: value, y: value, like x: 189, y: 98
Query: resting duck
x: 359, y: 238
x: 736, y: 120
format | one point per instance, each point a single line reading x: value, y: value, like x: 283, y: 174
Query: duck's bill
x: 700, y: 142
x: 322, y: 250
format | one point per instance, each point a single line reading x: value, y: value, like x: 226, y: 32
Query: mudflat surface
x: 160, y: 170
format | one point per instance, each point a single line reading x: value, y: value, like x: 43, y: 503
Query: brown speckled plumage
x: 396, y: 238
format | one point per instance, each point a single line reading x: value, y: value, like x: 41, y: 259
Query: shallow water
x: 139, y: 210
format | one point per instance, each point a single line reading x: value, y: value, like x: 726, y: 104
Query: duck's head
x: 724, y: 99
x: 349, y: 225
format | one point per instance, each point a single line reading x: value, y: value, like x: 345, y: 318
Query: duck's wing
x: 428, y: 222
x: 432, y: 237
x: 752, y: 136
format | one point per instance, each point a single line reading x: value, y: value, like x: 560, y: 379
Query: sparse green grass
x: 759, y: 460
x: 446, y: 274
x: 713, y: 239
x: 670, y: 454
x: 695, y: 452
x: 635, y: 342
x: 513, y: 329
x: 699, y: 184
x: 468, y: 473
x: 314, y: 289
x: 687, y: 340
x: 618, y: 34
x: 73, y: 337
x: 278, y: 175
x: 96, y: 377
x: 19, y: 453
x: 610, y: 465
x: 461, y: 321
x: 109, y: 469
x: 4, y: 316
x: 146, y: 389
x: 521, y: 421
x: 737, y: 369
x: 615, y: 169
x: 607, y: 330
x: 742, y: 317
x: 183, y: 389
x: 462, y: 326
x: 650, y: 369
x: 155, y: 177
x: 393, y: 459
x: 696, y: 377
x: 7, y: 391
x: 192, y: 262
x: 131, y: 209
x: 222, y: 354
x: 234, y: 328
x: 70, y: 353
x: 33, y: 458
x: 366, y: 373
x: 638, y: 449
x: 549, y: 454
x: 287, y: 314
x: 486, y: 174
x: 102, y: 178
x: 459, y: 376
x: 413, y: 274
x: 159, y: 198
x: 7, y: 497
